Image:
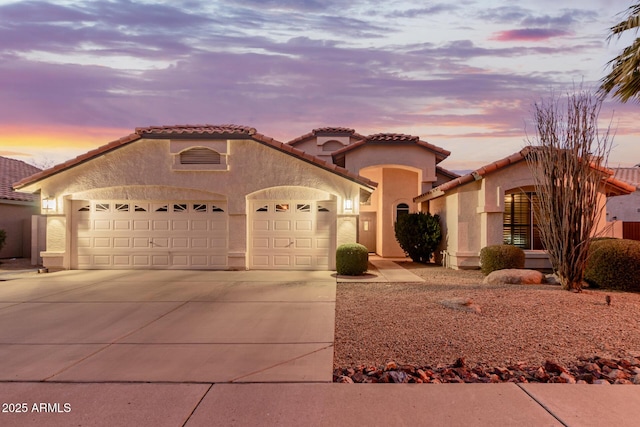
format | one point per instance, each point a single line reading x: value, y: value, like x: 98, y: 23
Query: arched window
x: 331, y: 146
x: 402, y: 209
x: 200, y: 156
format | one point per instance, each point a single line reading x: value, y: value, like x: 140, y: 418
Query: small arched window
x: 200, y: 156
x: 332, y: 146
x: 402, y: 209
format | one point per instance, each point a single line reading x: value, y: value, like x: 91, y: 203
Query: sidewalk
x: 206, y: 404
x: 385, y: 270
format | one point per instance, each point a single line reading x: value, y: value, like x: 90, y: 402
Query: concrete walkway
x: 385, y: 271
x: 176, y: 348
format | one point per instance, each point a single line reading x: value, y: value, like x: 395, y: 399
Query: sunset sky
x: 462, y: 75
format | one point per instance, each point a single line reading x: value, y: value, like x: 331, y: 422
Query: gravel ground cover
x: 411, y: 324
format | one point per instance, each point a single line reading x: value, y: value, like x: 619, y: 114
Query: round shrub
x: 352, y: 259
x: 614, y: 264
x: 3, y: 238
x: 500, y: 257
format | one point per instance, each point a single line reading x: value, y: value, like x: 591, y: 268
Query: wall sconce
x: 348, y: 204
x: 49, y: 203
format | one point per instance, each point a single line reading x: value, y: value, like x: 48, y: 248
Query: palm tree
x: 624, y: 78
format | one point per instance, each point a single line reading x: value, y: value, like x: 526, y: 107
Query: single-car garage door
x: 149, y: 235
x: 291, y: 235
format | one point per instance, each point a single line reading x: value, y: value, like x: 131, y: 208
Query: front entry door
x: 367, y: 230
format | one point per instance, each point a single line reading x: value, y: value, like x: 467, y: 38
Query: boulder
x: 514, y: 277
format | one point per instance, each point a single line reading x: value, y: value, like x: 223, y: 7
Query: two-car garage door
x: 115, y: 234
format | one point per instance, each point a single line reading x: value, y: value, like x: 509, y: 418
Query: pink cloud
x: 528, y: 34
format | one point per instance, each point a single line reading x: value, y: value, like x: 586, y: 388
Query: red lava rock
x: 390, y: 366
x: 553, y: 367
x: 593, y: 370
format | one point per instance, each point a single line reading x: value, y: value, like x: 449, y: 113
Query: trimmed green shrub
x: 3, y: 238
x: 500, y: 257
x: 352, y: 259
x: 614, y: 264
x: 418, y: 235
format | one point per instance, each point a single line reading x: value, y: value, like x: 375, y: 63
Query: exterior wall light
x: 348, y: 204
x: 49, y: 203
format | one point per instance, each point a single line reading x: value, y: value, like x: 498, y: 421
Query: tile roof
x: 334, y: 131
x: 195, y: 131
x: 616, y: 186
x: 393, y: 138
x: 446, y: 172
x: 629, y: 175
x: 12, y: 170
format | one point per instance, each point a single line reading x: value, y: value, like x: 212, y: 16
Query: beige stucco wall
x: 143, y: 170
x: 409, y: 157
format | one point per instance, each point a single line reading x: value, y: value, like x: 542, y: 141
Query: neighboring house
x: 16, y: 209
x: 626, y: 209
x: 227, y: 197
x: 494, y: 205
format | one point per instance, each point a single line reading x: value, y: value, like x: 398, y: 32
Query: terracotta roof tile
x: 12, y: 170
x: 392, y: 137
x: 335, y: 131
x: 386, y: 138
x: 619, y: 187
x: 186, y: 130
x: 195, y: 129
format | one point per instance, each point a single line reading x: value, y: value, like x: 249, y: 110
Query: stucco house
x: 228, y: 197
x: 16, y: 209
x: 625, y: 210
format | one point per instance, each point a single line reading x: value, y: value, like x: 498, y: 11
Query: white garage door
x: 291, y: 235
x: 149, y: 235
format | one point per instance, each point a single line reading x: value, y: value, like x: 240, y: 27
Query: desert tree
x: 567, y: 159
x: 624, y: 77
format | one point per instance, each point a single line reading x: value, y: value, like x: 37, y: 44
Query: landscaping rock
x: 514, y: 277
x: 462, y: 304
x: 593, y: 370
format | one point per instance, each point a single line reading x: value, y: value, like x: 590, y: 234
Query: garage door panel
x: 180, y: 242
x: 279, y: 243
x: 199, y: 243
x: 121, y: 261
x: 282, y: 260
x: 121, y: 224
x: 139, y: 225
x: 121, y: 242
x: 304, y: 243
x: 101, y: 224
x: 261, y: 224
x: 102, y: 242
x: 160, y: 225
x: 141, y: 260
x: 282, y: 225
x: 261, y: 243
x: 149, y: 235
x: 304, y: 225
x: 303, y: 260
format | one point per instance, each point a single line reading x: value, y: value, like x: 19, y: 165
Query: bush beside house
x: 500, y: 257
x: 3, y: 238
x: 614, y: 264
x: 418, y: 235
x: 352, y: 259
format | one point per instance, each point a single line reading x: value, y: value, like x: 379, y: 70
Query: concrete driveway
x: 167, y: 326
